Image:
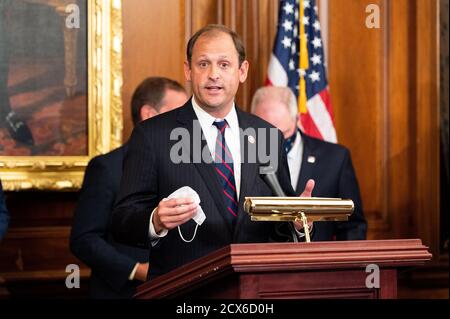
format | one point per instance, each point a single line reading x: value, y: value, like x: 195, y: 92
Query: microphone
x: 271, y: 179
x: 268, y: 175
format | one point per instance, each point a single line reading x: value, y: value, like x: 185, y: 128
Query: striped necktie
x: 223, y: 161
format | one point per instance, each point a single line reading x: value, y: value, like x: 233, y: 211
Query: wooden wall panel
x: 426, y: 93
x: 201, y: 13
x: 356, y: 81
x: 146, y: 47
x: 35, y: 252
x: 384, y: 93
x: 255, y: 21
x: 153, y: 45
x: 23, y: 253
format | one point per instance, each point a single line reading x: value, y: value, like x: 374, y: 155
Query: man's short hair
x: 152, y: 91
x: 279, y: 93
x: 216, y: 28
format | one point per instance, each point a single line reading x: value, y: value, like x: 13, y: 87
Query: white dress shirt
x: 294, y: 159
x: 232, y: 139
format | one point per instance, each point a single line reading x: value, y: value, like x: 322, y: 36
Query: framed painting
x: 60, y: 89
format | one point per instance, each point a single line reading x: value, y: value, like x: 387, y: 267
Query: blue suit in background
x: 91, y: 239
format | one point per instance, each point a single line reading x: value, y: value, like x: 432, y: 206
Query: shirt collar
x: 206, y: 119
x: 298, y: 143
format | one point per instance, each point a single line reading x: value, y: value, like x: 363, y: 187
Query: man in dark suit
x: 4, y: 215
x: 330, y: 165
x: 213, y: 157
x: 116, y: 269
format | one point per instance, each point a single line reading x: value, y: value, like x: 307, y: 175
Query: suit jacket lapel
x: 249, y: 171
x: 307, y: 168
x: 186, y: 116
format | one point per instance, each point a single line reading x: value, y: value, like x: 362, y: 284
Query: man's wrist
x: 154, y: 235
x: 141, y: 272
x: 156, y: 225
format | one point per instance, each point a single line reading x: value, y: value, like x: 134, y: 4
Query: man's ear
x: 187, y: 71
x: 147, y: 112
x: 243, y: 71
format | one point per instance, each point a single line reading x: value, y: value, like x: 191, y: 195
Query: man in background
x: 330, y: 165
x: 116, y: 269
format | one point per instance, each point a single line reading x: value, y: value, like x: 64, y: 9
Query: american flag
x: 297, y: 61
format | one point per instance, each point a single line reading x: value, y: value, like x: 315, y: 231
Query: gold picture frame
x: 104, y: 123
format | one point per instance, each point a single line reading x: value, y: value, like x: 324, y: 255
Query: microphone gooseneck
x: 268, y: 175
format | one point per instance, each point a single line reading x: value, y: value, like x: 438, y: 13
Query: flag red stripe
x: 325, y: 96
x: 309, y: 127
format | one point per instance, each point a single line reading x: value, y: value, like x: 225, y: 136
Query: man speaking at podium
x: 173, y: 228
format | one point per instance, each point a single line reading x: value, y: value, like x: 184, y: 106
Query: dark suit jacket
x: 91, y: 239
x: 149, y: 176
x: 335, y: 177
x: 4, y: 215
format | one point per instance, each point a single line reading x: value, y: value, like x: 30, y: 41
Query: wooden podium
x: 292, y: 270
